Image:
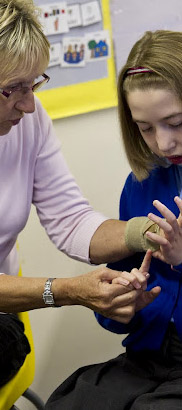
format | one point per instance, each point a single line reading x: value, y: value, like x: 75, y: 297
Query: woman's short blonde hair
x: 161, y: 52
x: 22, y: 42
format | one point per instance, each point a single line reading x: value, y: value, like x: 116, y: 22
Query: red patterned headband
x: 137, y: 70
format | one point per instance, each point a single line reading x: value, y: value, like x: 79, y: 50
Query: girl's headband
x: 137, y: 70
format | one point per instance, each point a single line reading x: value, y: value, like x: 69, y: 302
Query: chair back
x: 12, y: 390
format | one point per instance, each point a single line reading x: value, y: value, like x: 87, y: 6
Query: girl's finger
x: 166, y: 213
x: 146, y: 262
x: 178, y: 202
x: 159, y: 239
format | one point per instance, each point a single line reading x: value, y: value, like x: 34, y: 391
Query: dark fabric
x: 14, y: 346
x: 131, y: 381
x: 148, y: 327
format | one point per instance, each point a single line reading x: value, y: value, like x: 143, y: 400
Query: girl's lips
x: 175, y: 160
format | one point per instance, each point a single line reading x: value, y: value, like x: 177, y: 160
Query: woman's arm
x: 108, y: 242
x: 94, y: 290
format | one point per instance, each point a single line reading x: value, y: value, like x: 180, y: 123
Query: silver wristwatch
x: 47, y: 295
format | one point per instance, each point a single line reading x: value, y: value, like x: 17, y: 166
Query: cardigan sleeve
x: 66, y: 215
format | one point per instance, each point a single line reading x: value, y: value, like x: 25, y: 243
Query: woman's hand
x: 113, y: 294
x: 138, y: 280
x: 170, y: 238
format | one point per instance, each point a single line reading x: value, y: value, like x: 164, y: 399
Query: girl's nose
x: 165, y: 140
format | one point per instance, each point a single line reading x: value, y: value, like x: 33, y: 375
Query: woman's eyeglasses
x: 7, y: 91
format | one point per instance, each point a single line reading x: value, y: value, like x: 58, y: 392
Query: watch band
x: 47, y: 295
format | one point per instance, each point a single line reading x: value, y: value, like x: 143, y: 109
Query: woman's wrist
x: 62, y: 291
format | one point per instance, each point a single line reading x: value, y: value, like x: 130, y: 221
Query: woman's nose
x: 26, y: 103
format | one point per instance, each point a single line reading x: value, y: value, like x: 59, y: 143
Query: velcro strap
x: 135, y: 237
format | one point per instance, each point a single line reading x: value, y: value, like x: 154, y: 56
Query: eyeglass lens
x: 40, y: 83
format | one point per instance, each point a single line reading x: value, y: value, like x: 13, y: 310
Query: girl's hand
x: 170, y: 238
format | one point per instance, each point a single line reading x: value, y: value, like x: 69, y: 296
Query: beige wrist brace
x: 135, y: 237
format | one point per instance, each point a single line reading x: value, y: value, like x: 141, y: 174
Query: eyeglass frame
x: 34, y: 87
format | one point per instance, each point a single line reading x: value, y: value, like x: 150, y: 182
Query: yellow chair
x: 19, y: 385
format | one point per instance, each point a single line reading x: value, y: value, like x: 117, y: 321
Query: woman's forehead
x: 19, y: 75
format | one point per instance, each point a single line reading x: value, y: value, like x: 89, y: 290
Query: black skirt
x: 143, y: 381
x: 14, y: 346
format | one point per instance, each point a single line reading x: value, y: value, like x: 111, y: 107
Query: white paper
x: 91, y: 13
x: 55, y: 54
x: 74, y: 15
x: 54, y: 18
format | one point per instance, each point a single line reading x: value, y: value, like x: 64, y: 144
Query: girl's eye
x: 146, y: 129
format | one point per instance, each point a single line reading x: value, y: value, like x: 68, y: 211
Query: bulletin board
x: 75, y: 91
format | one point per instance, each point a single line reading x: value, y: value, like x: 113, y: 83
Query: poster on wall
x: 81, y: 68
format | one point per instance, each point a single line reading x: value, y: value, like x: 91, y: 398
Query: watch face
x: 49, y: 299
x: 47, y: 295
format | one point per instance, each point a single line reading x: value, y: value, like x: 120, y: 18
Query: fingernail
x: 147, y: 275
x: 123, y: 281
x: 137, y: 285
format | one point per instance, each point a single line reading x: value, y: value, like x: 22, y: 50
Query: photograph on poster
x: 73, y: 52
x: 54, y: 18
x: 97, y: 46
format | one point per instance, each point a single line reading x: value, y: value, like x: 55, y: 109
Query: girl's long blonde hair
x: 161, y: 52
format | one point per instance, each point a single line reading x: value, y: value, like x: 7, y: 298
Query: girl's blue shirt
x: 148, y: 327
